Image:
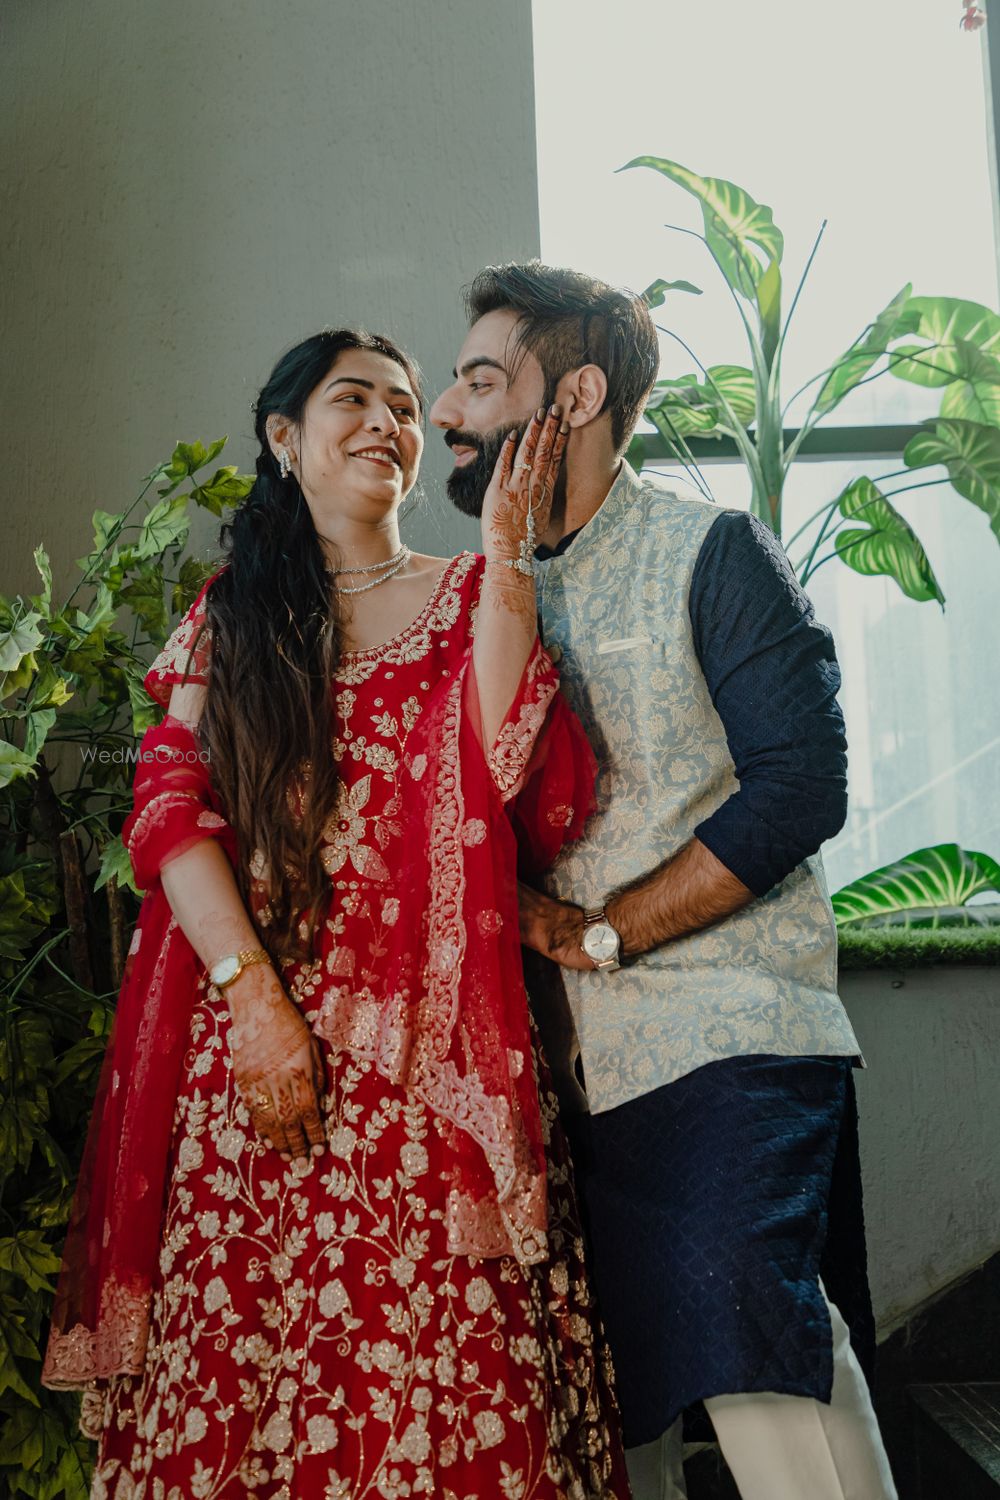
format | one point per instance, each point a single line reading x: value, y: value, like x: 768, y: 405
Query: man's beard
x: 467, y: 485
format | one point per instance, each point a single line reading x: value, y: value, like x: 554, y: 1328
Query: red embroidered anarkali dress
x: 320, y: 1328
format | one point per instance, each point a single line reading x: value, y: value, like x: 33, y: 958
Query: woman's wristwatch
x: 600, y: 941
x: 225, y: 971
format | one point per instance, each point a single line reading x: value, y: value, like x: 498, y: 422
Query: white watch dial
x: 226, y: 970
x: 600, y: 942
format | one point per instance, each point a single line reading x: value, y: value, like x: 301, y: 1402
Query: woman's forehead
x: 370, y: 367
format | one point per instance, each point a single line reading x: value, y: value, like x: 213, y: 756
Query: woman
x: 362, y: 1282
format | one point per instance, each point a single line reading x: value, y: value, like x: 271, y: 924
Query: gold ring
x: 263, y: 1101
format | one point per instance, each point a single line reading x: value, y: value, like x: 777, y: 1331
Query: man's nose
x: 444, y: 412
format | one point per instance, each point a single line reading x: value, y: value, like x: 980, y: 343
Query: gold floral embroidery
x: 187, y: 653
x: 511, y: 752
x: 315, y: 1330
x: 261, y: 1296
x: 440, y: 613
x: 79, y: 1355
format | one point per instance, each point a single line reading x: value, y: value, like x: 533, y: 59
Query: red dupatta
x: 100, y: 1321
x: 448, y: 1020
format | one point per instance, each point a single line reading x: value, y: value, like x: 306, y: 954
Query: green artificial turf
x: 917, y: 947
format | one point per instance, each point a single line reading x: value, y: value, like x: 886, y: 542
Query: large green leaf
x: 37, y: 726
x: 686, y: 407
x: 20, y: 919
x: 43, y: 601
x: 925, y: 889
x: 188, y: 458
x: 166, y: 525
x: 734, y: 223
x: 769, y: 307
x: 852, y: 367
x: 736, y: 384
x: 228, y: 487
x: 115, y: 863
x: 970, y: 451
x: 88, y: 635
x: 144, y: 711
x: 683, y: 408
x: 884, y: 543
x: 144, y: 596
x: 975, y: 393
x: 191, y: 579
x: 106, y: 526
x: 50, y: 689
x: 13, y: 763
x: 29, y: 1256
x: 18, y: 643
x: 947, y: 323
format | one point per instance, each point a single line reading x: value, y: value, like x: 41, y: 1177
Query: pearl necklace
x: 386, y: 570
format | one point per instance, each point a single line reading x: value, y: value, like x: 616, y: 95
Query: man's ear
x: 582, y: 394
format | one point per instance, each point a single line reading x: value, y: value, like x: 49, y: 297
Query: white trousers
x: 784, y: 1447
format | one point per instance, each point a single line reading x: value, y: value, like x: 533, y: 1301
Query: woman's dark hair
x: 569, y: 319
x: 268, y: 722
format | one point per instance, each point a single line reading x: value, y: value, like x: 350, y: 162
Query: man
x: 718, y: 1165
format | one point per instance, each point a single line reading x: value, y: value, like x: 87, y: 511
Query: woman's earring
x: 284, y: 464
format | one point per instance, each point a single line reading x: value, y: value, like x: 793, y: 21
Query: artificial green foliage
x: 940, y: 343
x: 72, y: 705
x: 919, y: 947
x: 929, y: 888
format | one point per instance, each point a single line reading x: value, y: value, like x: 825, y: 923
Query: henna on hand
x: 524, y: 484
x: 511, y: 591
x: 277, y: 1064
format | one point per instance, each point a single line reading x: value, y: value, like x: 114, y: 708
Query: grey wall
x: 929, y: 1104
x: 191, y: 185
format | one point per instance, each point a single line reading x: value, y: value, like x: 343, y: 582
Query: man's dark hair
x: 569, y: 319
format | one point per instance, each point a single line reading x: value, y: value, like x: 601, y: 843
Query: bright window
x: 870, y: 116
x: 881, y: 129
x: 919, y: 693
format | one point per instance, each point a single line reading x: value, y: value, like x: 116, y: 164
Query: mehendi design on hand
x: 277, y: 1065
x: 519, y: 498
x: 504, y: 588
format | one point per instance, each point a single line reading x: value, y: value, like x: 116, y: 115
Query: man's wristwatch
x: 600, y: 941
x: 225, y: 971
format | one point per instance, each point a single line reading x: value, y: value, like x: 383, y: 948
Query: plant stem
x: 75, y: 896
x: 925, y: 484
x: 806, y: 524
x: 116, y: 924
x: 687, y: 458
x: 824, y: 531
x: 802, y: 282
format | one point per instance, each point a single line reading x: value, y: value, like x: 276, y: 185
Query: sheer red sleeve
x: 185, y: 657
x: 554, y: 792
x: 173, y: 801
x: 174, y: 804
